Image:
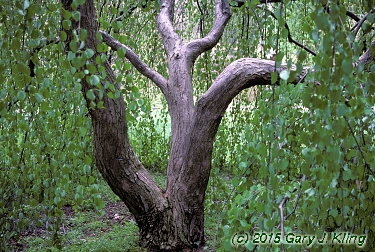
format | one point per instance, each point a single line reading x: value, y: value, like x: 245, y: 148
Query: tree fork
x: 171, y: 219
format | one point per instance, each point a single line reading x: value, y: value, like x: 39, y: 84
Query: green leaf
x: 123, y: 39
x: 91, y: 67
x: 56, y: 200
x: 88, y: 160
x: 83, y: 35
x: 315, y: 36
x: 26, y: 4
x: 83, y: 179
x: 284, y: 74
x: 274, y: 77
x: 71, y: 55
x: 342, y: 109
x: 100, y: 105
x: 334, y: 213
x: 347, y: 66
x: 90, y: 94
x: 129, y: 78
x: 114, y: 10
x: 67, y: 14
x: 78, y: 62
x: 111, y: 95
x: 91, y: 180
x: 63, y: 36
x: 94, y: 80
x: 89, y: 53
x: 78, y: 87
x: 76, y: 15
x: 38, y: 97
x: 21, y: 95
x: 102, y: 48
x: 121, y: 52
x: 235, y: 181
x: 127, y: 66
x: 302, y: 55
x: 347, y: 175
x: 66, y: 24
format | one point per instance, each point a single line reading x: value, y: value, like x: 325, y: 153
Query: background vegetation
x: 311, y: 144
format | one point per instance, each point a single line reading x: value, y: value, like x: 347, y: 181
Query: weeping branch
x: 131, y: 9
x: 31, y: 64
x: 359, y: 147
x: 290, y: 39
x: 44, y: 43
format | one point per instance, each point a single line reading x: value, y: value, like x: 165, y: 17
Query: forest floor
x: 89, y: 230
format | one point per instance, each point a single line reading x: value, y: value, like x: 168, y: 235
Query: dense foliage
x: 306, y: 149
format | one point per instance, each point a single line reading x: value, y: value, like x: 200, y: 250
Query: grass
x: 88, y: 230
x: 92, y: 237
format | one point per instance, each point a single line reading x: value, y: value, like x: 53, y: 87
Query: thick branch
x: 209, y: 111
x: 115, y: 158
x: 198, y: 46
x: 142, y: 67
x: 241, y: 74
x: 171, y: 40
x: 211, y: 107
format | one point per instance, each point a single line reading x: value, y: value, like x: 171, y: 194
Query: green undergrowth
x: 112, y: 229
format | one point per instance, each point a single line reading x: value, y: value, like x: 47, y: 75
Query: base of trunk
x: 165, y: 231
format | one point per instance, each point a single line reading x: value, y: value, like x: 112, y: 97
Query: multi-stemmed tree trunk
x: 170, y: 219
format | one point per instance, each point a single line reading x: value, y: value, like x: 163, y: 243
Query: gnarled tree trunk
x: 171, y: 219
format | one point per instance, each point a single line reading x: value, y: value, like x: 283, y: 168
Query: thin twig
x: 225, y: 203
x: 359, y: 24
x: 352, y: 15
x: 298, y: 198
x: 290, y: 38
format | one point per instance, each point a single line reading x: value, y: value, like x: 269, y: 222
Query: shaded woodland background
x: 306, y: 148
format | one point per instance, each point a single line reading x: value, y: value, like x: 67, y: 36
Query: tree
x: 171, y: 218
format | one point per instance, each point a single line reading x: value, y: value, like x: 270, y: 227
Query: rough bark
x: 173, y: 219
x: 116, y: 159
